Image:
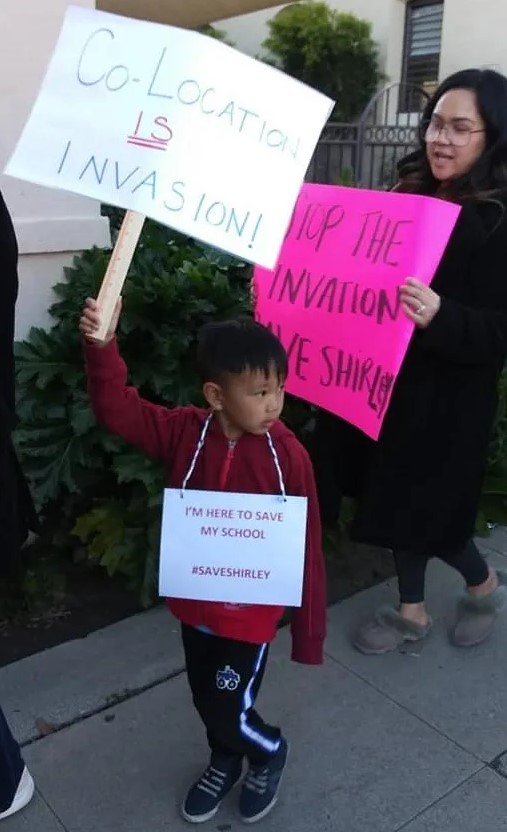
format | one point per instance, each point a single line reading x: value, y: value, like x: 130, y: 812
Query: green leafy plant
x: 87, y: 483
x: 329, y: 50
x: 346, y: 178
x: 216, y: 34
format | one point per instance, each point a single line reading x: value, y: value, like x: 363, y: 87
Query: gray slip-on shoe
x: 477, y: 615
x: 387, y: 631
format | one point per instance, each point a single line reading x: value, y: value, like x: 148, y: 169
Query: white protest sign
x: 174, y: 125
x: 234, y: 548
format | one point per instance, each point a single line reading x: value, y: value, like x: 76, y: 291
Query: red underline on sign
x: 156, y: 145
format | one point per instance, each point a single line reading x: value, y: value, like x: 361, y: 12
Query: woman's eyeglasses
x: 456, y: 133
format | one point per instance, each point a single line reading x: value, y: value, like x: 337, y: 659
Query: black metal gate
x: 366, y: 153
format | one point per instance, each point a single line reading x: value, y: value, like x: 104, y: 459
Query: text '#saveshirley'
x: 231, y: 572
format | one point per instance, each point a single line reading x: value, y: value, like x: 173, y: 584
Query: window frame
x: 407, y: 86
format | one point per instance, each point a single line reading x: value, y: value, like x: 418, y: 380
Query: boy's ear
x: 213, y: 394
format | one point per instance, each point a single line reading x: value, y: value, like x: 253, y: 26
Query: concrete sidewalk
x: 414, y: 741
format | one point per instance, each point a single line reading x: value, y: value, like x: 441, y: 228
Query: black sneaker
x: 204, y: 798
x: 260, y: 789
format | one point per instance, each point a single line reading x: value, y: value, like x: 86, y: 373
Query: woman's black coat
x: 419, y: 487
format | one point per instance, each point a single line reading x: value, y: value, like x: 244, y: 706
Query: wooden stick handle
x: 117, y: 269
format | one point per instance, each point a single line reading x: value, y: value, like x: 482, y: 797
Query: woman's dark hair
x: 487, y: 179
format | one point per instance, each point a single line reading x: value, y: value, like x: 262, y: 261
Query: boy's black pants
x: 225, y: 677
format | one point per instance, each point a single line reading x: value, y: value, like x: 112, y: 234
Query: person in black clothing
x: 418, y: 488
x: 16, y: 783
x: 17, y: 515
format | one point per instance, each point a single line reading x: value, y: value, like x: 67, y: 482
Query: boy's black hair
x: 231, y: 347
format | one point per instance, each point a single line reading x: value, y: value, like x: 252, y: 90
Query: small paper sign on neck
x: 233, y: 548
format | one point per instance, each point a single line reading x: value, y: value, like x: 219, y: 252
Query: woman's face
x: 456, y: 135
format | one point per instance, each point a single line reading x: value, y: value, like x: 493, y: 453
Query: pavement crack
x: 111, y: 701
x: 52, y: 811
x: 438, y: 800
x: 407, y: 710
x: 499, y: 765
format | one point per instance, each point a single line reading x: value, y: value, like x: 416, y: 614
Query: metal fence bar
x: 366, y: 154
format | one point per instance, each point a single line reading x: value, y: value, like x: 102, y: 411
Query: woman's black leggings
x: 411, y: 570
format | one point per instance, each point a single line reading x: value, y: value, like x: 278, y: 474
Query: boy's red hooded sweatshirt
x: 171, y: 435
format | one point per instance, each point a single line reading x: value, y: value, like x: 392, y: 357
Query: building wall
x: 469, y: 37
x: 474, y: 35
x: 51, y: 225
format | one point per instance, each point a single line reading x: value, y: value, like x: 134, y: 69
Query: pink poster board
x: 333, y: 296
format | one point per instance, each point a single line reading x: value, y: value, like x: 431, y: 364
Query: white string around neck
x: 199, y: 447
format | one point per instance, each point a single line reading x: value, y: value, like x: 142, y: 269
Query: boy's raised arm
x: 118, y: 407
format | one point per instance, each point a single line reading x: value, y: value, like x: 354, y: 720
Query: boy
x: 243, y: 367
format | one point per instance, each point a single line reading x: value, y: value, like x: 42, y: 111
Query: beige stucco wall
x: 474, y: 35
x: 51, y: 225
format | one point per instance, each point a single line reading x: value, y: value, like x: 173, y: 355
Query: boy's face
x: 247, y: 403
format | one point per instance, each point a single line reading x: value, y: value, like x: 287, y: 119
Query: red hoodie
x: 171, y: 435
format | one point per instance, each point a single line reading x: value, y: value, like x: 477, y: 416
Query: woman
x: 17, y: 516
x: 418, y: 488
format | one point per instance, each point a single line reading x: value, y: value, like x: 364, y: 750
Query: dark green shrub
x: 89, y: 485
x: 85, y: 480
x: 331, y: 51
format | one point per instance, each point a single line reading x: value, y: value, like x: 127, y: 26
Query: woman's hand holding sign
x: 420, y: 303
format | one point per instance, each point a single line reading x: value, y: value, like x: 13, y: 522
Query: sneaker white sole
x: 23, y: 795
x: 199, y: 818
x: 262, y: 814
x: 212, y: 813
x: 269, y: 808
